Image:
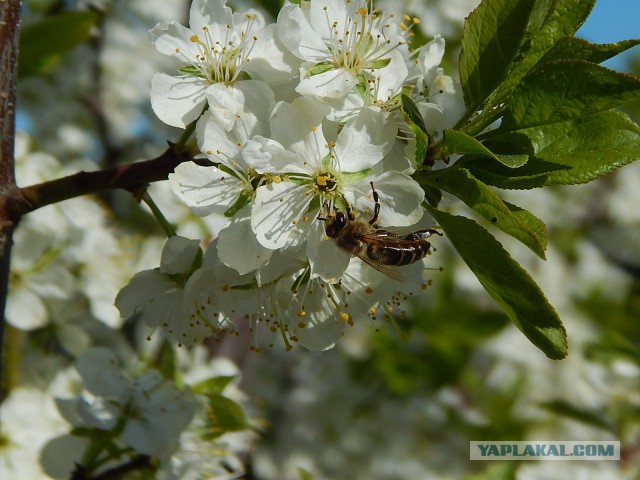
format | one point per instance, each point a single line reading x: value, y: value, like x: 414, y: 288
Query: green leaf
x: 410, y: 108
x: 507, y: 283
x: 491, y: 37
x: 566, y: 153
x: 566, y: 89
x: 459, y: 142
x: 42, y: 43
x: 550, y: 21
x: 432, y: 195
x: 225, y: 415
x: 512, y: 220
x: 580, y: 49
x: 588, y: 417
x: 215, y: 385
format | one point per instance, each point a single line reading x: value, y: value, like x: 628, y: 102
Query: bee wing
x: 387, y: 270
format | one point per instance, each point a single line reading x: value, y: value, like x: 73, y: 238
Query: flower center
x: 325, y: 182
x: 363, y: 40
x: 221, y: 60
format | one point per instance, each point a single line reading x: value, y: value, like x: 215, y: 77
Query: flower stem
x: 162, y: 220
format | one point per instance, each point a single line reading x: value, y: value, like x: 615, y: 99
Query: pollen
x: 226, y: 288
x: 345, y: 316
x: 368, y: 290
x: 302, y: 313
x: 194, y: 38
x: 276, y: 179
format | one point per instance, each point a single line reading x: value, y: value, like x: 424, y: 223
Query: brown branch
x: 9, y: 27
x: 132, y: 177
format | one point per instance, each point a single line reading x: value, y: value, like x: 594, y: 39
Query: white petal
x: 400, y: 198
x: 140, y: 290
x: 217, y: 143
x: 206, y: 190
x: 326, y: 259
x: 298, y: 127
x: 365, y: 140
x: 268, y: 156
x: 178, y: 255
x: 327, y: 16
x: 101, y: 374
x: 248, y: 97
x: 270, y: 61
x: 238, y: 247
x: 25, y: 310
x: 332, y: 84
x: 173, y: 39
x: 312, y: 317
x: 297, y: 35
x: 213, y: 14
x: 392, y: 77
x: 177, y: 101
x: 430, y: 56
x: 276, y: 210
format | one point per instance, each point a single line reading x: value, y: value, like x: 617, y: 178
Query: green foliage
x: 43, y: 43
x: 550, y: 107
x: 507, y: 283
x: 225, y: 415
x: 583, y: 415
x: 482, y: 199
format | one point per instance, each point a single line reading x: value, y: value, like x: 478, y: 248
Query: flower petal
x: 140, y: 290
x: 276, y: 211
x: 270, y: 61
x: 227, y: 103
x: 238, y: 247
x: 400, y: 198
x: 173, y: 39
x: 177, y: 101
x: 298, y: 127
x: 268, y: 156
x: 332, y: 84
x: 206, y: 190
x: 326, y: 259
x: 178, y: 255
x: 297, y: 35
x: 365, y: 140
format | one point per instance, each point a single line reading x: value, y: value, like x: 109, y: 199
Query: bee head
x: 334, y: 223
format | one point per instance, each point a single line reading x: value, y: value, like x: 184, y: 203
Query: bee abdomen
x: 398, y: 255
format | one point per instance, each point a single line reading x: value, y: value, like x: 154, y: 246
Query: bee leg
x: 350, y: 212
x: 376, y: 208
x: 326, y: 210
x: 422, y: 234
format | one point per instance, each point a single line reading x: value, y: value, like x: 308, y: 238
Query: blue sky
x: 612, y: 21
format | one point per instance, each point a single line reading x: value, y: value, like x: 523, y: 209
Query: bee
x: 379, y: 248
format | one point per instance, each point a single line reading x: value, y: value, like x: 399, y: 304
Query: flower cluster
x: 296, y: 121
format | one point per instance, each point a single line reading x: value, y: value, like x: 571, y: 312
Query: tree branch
x: 9, y: 26
x: 132, y: 177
